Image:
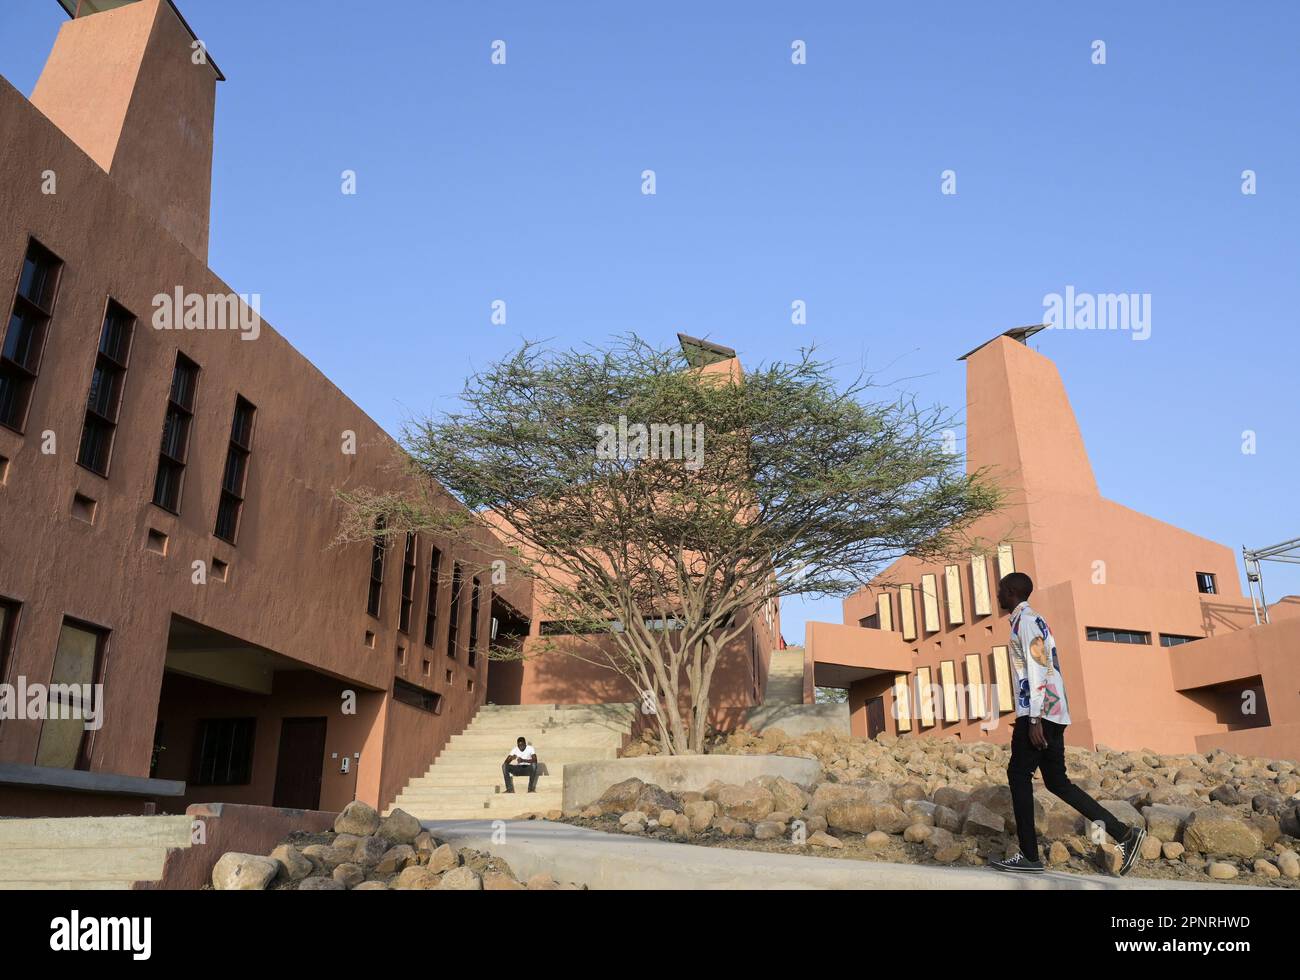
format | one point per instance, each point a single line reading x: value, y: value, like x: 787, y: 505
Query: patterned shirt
x: 1040, y: 688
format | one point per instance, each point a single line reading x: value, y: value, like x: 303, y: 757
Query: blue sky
x: 778, y: 182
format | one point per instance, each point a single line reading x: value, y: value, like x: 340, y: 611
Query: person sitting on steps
x: 522, y: 761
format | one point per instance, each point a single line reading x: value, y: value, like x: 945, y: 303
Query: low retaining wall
x: 585, y: 782
x: 233, y: 827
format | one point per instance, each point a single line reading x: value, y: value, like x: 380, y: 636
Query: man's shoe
x: 1018, y: 865
x: 532, y: 791
x: 1131, y: 847
x: 509, y: 791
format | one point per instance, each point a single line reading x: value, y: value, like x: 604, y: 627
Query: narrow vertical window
x: 473, y: 622
x: 235, y: 476
x: 24, y: 339
x: 408, y: 583
x: 176, y: 435
x: 376, y: 569
x: 73, y: 697
x: 431, y: 611
x: 106, y: 390
x: 453, y: 624
x: 8, y: 626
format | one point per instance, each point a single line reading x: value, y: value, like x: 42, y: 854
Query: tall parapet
x: 129, y: 83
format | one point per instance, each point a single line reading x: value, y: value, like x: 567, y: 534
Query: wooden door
x: 300, y: 762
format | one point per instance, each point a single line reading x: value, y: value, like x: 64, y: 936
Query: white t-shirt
x: 522, y: 756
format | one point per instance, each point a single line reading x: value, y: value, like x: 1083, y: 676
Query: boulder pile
x: 367, y: 853
x: 927, y: 800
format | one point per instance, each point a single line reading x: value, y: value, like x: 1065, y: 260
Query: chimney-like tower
x: 128, y: 82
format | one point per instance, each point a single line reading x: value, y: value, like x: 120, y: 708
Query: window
x: 1205, y: 583
x: 235, y: 477
x: 1106, y: 635
x: 453, y: 625
x: 1175, y: 640
x: 408, y: 583
x: 78, y: 668
x: 8, y: 626
x: 473, y: 623
x: 176, y: 435
x: 223, y: 752
x: 417, y: 697
x: 106, y: 389
x: 871, y: 622
x: 24, y: 340
x: 376, y: 569
x: 431, y: 610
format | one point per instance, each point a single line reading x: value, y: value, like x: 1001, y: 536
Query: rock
x: 415, y: 878
x: 632, y: 826
x: 940, y: 838
x: 399, y: 827
x: 395, y: 859
x: 1213, y: 831
x: 293, y: 865
x: 701, y: 814
x: 554, y: 814
x: 1058, y: 853
x: 748, y: 802
x: 740, y: 829
x: 1289, y: 821
x: 319, y: 883
x: 1227, y: 794
x: 951, y: 797
x: 917, y: 833
x: 1222, y: 870
x: 947, y: 818
x: 823, y: 839
x: 768, y: 830
x: 325, y: 857
x: 1166, y: 821
x: 827, y: 794
x: 542, y: 882
x: 244, y: 872
x: 442, y: 859
x: 877, y: 839
x: 621, y: 797
x: 666, y: 817
x: 653, y: 799
x: 368, y: 851
x: 461, y: 879
x: 1172, y: 850
x: 854, y: 816
x: 786, y: 796
x: 1288, y: 862
x: 1266, y: 868
x: 1124, y: 812
x: 681, y: 825
x: 1152, y: 847
x: 499, y: 881
x: 815, y: 823
x: 591, y: 813
x: 371, y: 886
x: 1109, y: 858
x: 982, y: 822
x: 632, y: 816
x: 891, y: 819
x: 949, y: 854
x: 357, y: 818
x: 349, y: 875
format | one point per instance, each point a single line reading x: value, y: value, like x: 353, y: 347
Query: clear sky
x: 777, y: 182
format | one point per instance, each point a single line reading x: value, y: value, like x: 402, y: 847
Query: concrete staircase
x: 783, y: 705
x: 87, y: 852
x: 464, y: 782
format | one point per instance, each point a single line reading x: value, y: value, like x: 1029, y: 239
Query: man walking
x: 522, y: 761
x: 1038, y: 739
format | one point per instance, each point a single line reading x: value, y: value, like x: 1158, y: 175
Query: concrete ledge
x: 626, y: 861
x: 584, y: 782
x: 82, y: 781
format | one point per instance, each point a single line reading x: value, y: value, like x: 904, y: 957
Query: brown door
x: 875, y: 717
x: 298, y: 769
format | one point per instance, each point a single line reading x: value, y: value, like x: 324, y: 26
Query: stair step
x: 95, y: 832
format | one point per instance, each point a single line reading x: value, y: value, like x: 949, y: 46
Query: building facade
x: 1158, y: 646
x: 168, y: 468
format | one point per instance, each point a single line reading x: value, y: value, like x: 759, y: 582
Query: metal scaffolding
x: 1287, y: 551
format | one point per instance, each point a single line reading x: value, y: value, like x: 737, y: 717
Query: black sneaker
x: 509, y: 791
x: 1131, y: 847
x: 1018, y: 865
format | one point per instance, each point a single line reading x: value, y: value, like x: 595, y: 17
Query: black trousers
x: 529, y: 770
x: 1051, y: 760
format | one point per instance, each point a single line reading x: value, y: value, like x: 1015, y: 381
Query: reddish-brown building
x: 167, y: 496
x: 1158, y: 646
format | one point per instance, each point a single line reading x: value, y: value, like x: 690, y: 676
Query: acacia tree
x: 655, y: 552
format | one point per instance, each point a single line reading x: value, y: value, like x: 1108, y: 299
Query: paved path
x: 602, y: 860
